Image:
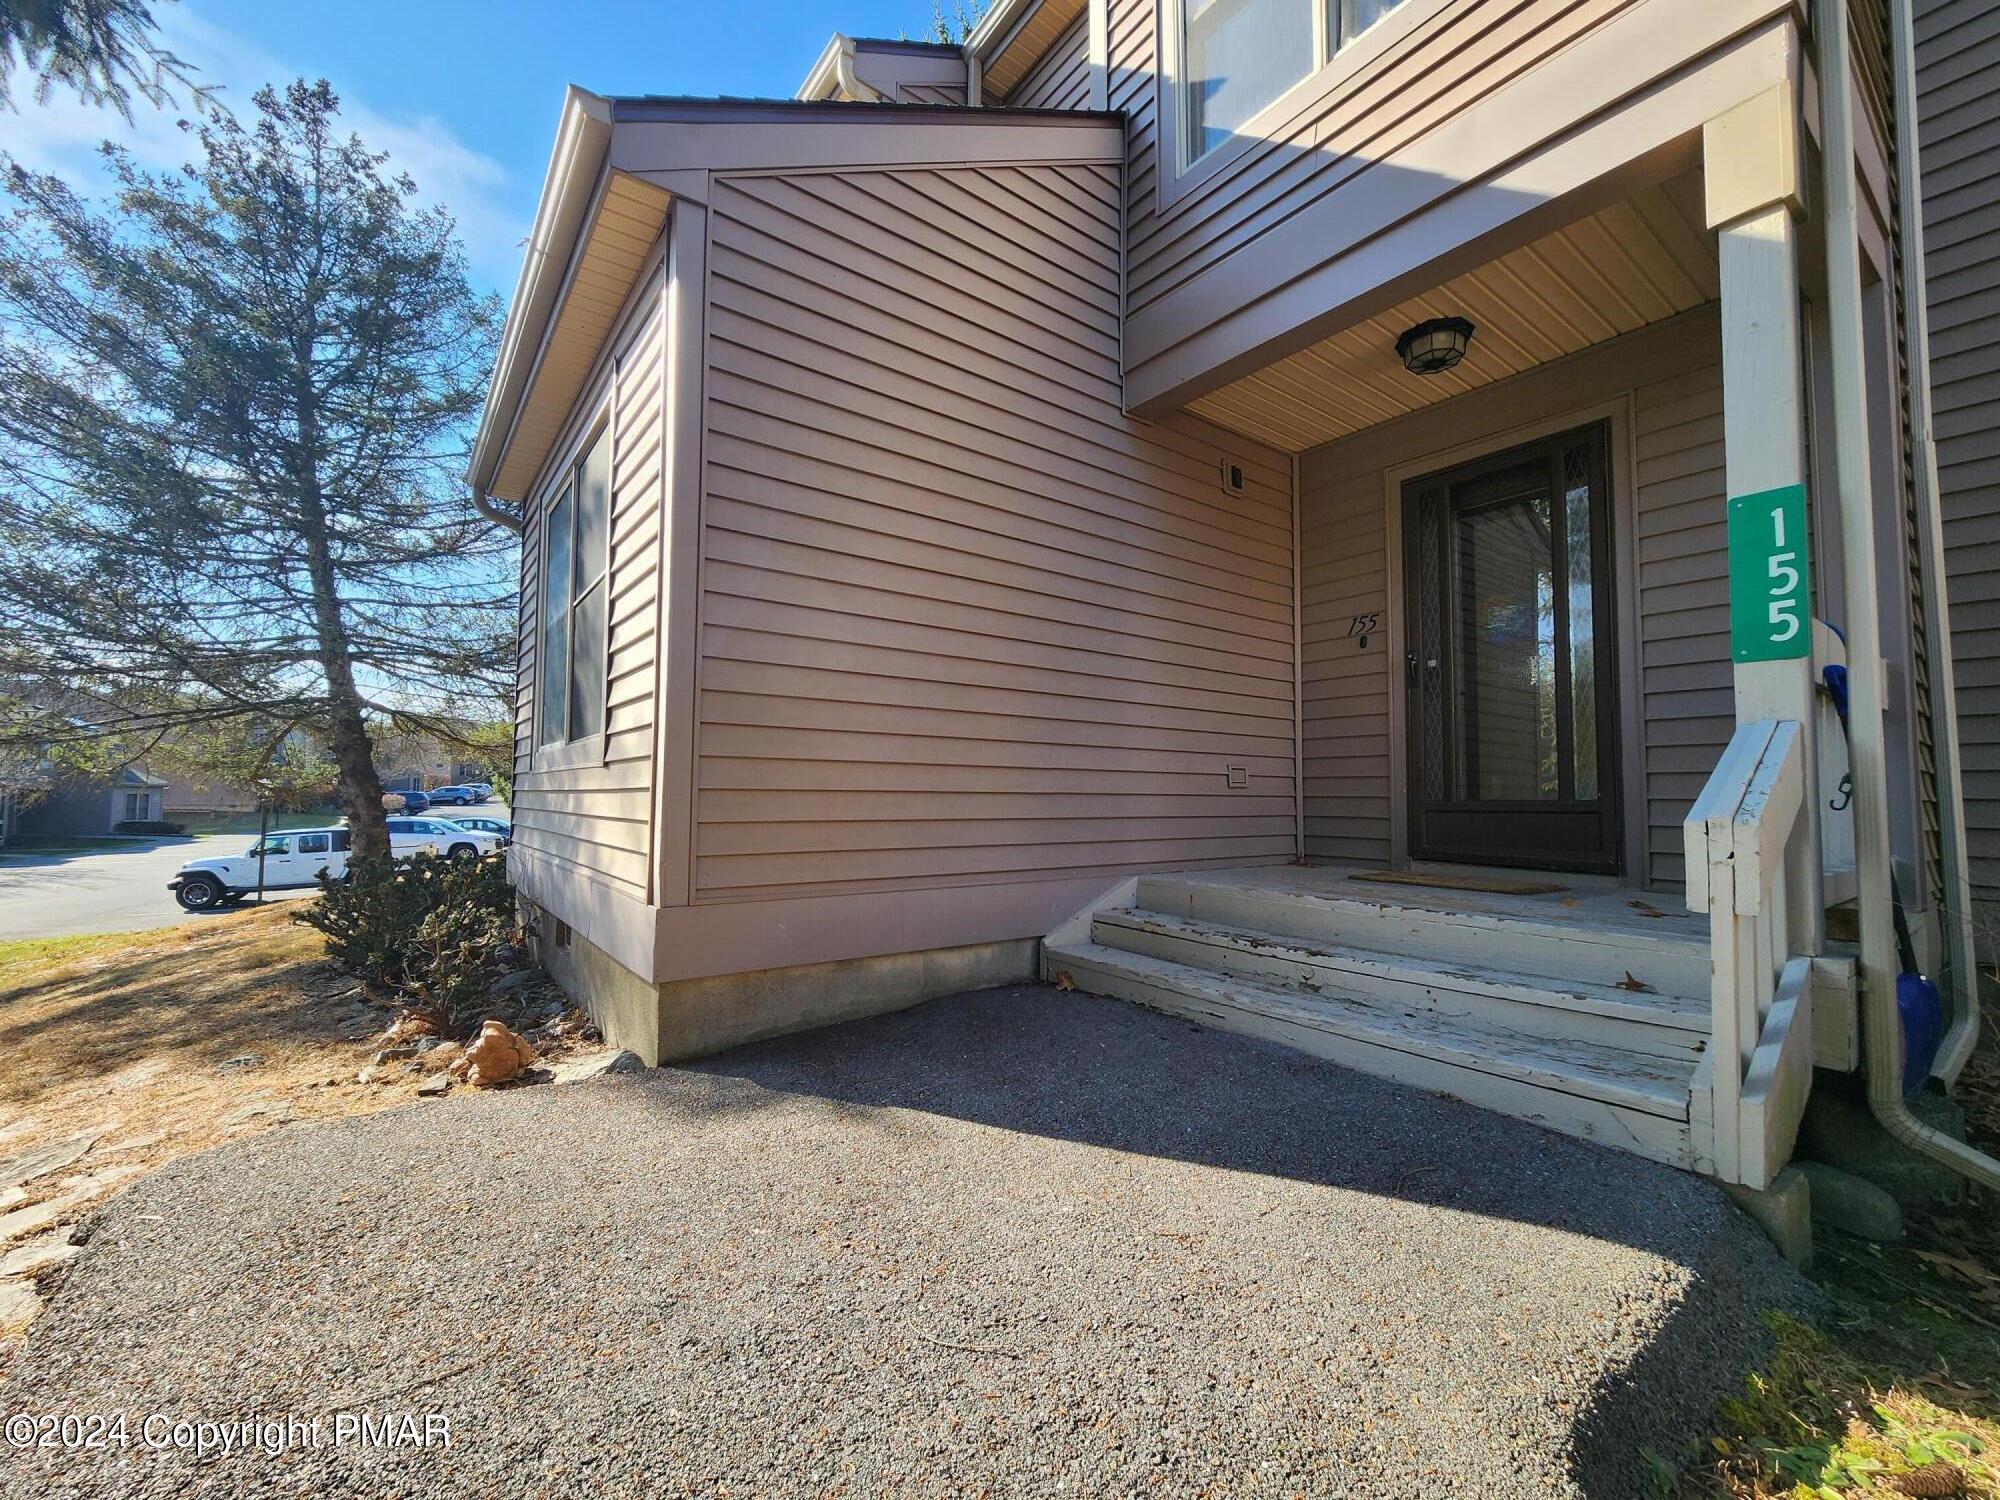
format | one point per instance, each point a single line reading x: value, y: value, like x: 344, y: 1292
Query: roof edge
x: 582, y: 145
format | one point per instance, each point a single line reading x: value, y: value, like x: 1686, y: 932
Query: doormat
x: 1497, y: 885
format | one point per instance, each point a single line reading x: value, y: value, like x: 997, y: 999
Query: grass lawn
x: 164, y: 1036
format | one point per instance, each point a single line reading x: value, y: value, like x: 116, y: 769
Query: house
x: 1327, y: 521
x: 1958, y: 60
x: 86, y: 805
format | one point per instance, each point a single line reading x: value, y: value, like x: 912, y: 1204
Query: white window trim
x: 1344, y: 72
x: 563, y: 755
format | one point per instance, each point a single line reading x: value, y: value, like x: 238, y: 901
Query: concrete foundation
x: 694, y: 1017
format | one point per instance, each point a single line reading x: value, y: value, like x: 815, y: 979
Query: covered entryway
x: 1510, y: 661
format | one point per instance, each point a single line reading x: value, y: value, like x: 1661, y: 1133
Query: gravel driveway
x: 1013, y: 1243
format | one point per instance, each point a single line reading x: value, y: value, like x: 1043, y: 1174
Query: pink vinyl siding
x: 595, y: 820
x: 962, y: 621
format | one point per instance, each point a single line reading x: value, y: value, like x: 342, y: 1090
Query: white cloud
x: 63, y: 135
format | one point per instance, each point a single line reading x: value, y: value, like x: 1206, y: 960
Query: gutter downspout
x: 483, y: 503
x: 1882, y: 1025
x: 850, y: 82
x: 1957, y: 879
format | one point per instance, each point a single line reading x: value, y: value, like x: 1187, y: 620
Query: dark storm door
x: 1511, y: 663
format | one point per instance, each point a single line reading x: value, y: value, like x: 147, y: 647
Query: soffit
x: 1642, y: 260
x: 628, y: 219
x: 1026, y: 44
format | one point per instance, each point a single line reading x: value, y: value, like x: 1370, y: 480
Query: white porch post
x: 1753, y: 167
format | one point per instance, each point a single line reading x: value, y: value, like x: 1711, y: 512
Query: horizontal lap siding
x: 1958, y: 58
x: 598, y: 820
x: 1675, y: 378
x: 962, y: 620
x: 1323, y: 147
x: 1061, y: 80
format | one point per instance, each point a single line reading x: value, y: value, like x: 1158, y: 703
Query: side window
x: 272, y: 846
x: 576, y: 545
x: 1237, y: 56
x: 342, y: 841
x: 400, y: 825
x: 313, y: 843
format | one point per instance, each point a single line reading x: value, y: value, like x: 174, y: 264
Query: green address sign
x: 1770, y: 585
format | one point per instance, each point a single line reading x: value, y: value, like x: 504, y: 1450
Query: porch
x: 1578, y: 1004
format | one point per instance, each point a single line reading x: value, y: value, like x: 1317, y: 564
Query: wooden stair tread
x: 1647, y: 1084
x: 1644, y: 1007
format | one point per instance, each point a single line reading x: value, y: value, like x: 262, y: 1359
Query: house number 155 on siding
x: 1770, y: 588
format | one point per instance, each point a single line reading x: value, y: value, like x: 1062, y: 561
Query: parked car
x: 294, y: 859
x: 458, y: 796
x: 414, y: 802
x: 501, y: 828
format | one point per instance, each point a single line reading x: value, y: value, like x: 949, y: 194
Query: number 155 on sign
x: 1770, y: 585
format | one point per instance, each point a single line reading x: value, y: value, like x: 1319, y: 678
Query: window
x: 135, y: 807
x: 575, y: 548
x: 1237, y: 56
x: 401, y: 825
x: 273, y: 846
x: 313, y: 843
x: 342, y: 841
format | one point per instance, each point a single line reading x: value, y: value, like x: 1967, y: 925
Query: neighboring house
x: 1125, y: 527
x: 89, y: 806
x: 1958, y: 56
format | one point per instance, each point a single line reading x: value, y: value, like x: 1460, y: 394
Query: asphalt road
x: 106, y: 890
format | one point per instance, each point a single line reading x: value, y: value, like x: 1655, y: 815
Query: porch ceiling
x: 1640, y: 261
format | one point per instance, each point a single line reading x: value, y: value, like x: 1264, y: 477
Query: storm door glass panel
x: 555, y: 622
x: 1582, y: 684
x: 1239, y: 55
x: 1504, y: 604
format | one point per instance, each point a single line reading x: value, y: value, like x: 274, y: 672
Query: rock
x: 32, y: 1220
x: 264, y: 1111
x: 1851, y: 1204
x: 29, y: 1165
x: 246, y: 1060
x: 444, y: 1055
x: 497, y: 1054
x: 20, y: 1305
x: 435, y: 1085
x: 38, y: 1255
x: 597, y: 1065
x: 369, y: 1075
x: 1841, y: 1130
x: 520, y: 979
x: 428, y: 1044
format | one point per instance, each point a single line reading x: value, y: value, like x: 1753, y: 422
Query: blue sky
x: 464, y: 93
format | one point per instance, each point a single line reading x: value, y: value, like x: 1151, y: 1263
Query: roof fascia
x: 569, y: 187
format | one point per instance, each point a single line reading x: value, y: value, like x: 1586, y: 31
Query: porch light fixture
x: 1434, y: 345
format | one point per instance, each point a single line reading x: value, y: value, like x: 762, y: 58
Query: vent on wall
x: 1239, y: 777
x: 1232, y: 476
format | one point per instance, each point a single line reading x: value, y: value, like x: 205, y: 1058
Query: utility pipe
x: 1956, y: 874
x: 1882, y: 1025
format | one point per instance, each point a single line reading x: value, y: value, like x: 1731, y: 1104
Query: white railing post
x: 1742, y: 840
x: 1753, y: 171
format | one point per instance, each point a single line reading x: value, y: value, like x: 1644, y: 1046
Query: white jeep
x: 294, y: 859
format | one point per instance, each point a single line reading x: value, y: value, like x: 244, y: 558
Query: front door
x: 1510, y: 669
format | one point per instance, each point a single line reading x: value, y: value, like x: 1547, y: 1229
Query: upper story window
x: 575, y: 549
x: 1237, y: 56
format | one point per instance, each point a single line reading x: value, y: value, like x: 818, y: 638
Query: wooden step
x: 1530, y: 936
x: 1636, y: 1102
x: 1661, y: 1025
